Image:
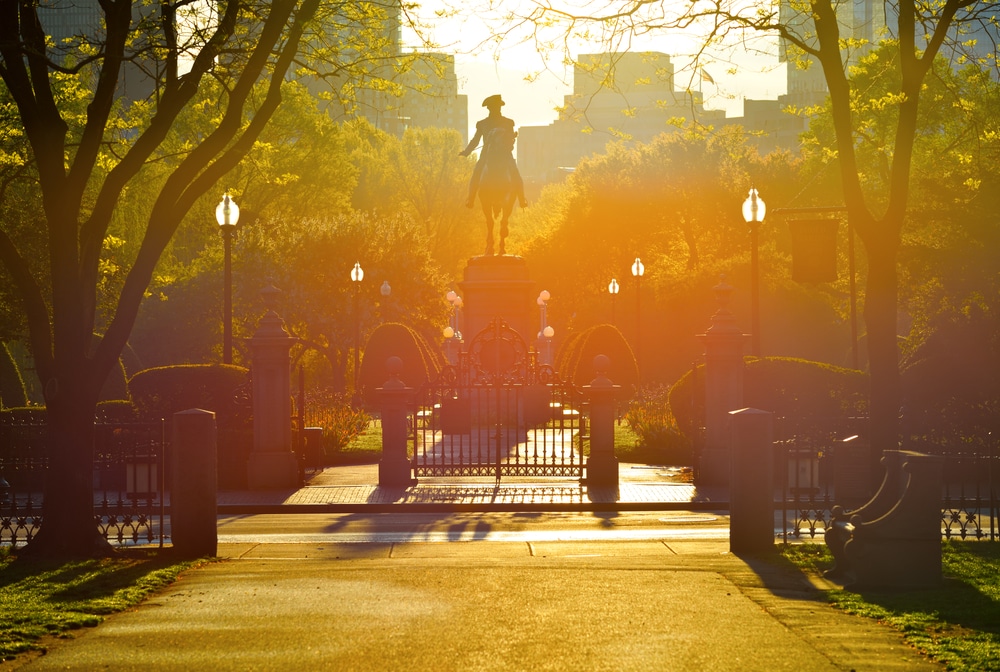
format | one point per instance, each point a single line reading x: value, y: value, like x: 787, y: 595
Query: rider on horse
x: 483, y: 127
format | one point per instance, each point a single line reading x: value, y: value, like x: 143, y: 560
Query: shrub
x: 812, y: 398
x: 652, y: 421
x: 395, y: 340
x: 117, y: 412
x: 162, y: 391
x: 339, y: 420
x: 577, y: 363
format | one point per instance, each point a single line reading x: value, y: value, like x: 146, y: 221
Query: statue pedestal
x: 498, y: 286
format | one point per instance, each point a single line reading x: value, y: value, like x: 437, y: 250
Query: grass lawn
x: 39, y: 599
x: 957, y: 623
x: 365, y: 448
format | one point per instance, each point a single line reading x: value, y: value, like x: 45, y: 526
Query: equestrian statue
x: 495, y: 179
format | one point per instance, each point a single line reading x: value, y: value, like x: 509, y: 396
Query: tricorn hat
x: 493, y: 100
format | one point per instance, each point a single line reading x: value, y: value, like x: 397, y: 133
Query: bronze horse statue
x: 497, y: 184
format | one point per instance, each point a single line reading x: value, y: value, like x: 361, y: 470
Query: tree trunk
x: 68, y: 526
x: 883, y: 351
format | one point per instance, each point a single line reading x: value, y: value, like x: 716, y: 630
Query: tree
x: 311, y: 262
x: 813, y: 29
x: 86, y: 163
x: 419, y: 175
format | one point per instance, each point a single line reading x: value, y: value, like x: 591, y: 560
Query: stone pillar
x: 724, y: 344
x: 272, y: 464
x: 394, y: 398
x: 751, y: 492
x: 602, y: 465
x: 497, y: 286
x: 194, y: 465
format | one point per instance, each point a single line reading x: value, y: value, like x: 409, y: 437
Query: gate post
x: 602, y: 465
x: 723, y: 390
x: 751, y: 493
x: 193, y: 507
x: 272, y: 464
x: 394, y: 397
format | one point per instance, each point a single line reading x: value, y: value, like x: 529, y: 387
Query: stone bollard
x: 602, y: 465
x: 394, y: 398
x: 751, y: 492
x: 194, y: 484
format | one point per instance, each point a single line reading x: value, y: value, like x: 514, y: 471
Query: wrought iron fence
x: 130, y: 478
x: 815, y: 471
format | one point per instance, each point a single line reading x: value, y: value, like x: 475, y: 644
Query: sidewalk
x: 681, y: 603
x: 355, y: 488
x: 677, y: 606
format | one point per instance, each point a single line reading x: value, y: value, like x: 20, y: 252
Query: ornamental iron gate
x: 498, y: 412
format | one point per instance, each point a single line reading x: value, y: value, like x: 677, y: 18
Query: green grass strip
x: 956, y: 623
x: 47, y: 598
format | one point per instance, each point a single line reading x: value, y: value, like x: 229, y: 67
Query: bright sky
x: 487, y: 68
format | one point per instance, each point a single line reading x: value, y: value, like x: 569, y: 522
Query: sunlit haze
x: 533, y: 84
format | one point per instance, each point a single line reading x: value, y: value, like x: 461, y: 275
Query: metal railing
x: 812, y: 477
x: 130, y: 477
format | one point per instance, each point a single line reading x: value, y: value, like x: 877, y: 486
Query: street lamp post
x: 227, y: 214
x: 357, y: 275
x: 613, y: 291
x: 754, y: 210
x: 637, y: 271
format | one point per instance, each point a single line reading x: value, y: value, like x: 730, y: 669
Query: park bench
x: 893, y: 540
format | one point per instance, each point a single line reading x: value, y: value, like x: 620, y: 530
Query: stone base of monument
x: 498, y: 286
x: 272, y: 470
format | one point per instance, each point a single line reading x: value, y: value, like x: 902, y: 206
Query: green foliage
x: 40, y: 599
x: 311, y: 261
x: 364, y: 448
x: 340, y: 421
x: 954, y: 623
x: 575, y: 359
x: 420, y: 363
x: 814, y: 399
x: 161, y: 392
x: 650, y: 419
x: 419, y: 176
x: 12, y: 392
x: 116, y: 412
x: 951, y: 393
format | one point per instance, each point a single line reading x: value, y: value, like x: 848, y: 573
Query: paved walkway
x: 602, y: 601
x: 353, y: 487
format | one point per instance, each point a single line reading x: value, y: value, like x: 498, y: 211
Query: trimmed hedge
x: 576, y: 357
x: 162, y: 391
x: 395, y: 340
x: 811, y: 395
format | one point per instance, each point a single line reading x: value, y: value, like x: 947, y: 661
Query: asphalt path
x: 468, y: 592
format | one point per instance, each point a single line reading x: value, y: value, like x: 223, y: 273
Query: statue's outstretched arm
x: 472, y: 143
